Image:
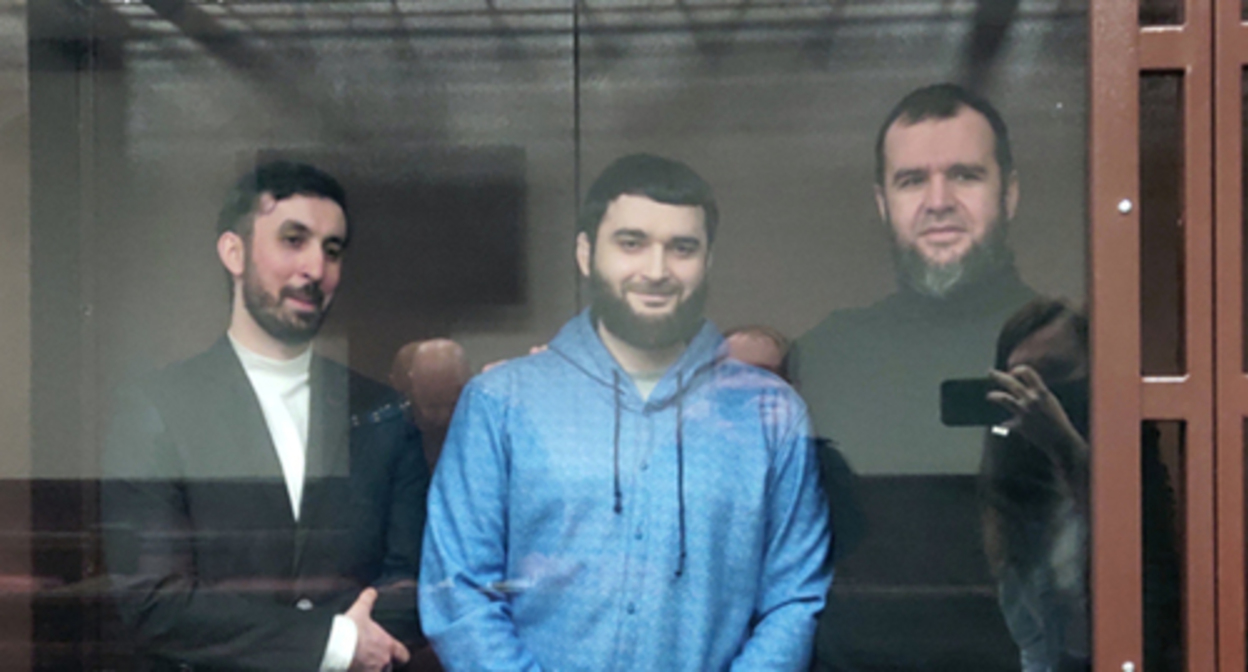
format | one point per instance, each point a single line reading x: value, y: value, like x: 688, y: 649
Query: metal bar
x: 1115, y: 334
x: 1199, y: 577
x: 1232, y: 391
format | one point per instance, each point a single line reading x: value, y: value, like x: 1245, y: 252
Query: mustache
x: 664, y: 287
x: 310, y: 293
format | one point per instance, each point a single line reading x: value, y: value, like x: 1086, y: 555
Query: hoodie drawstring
x: 615, y: 386
x: 680, y: 461
x: 680, y: 469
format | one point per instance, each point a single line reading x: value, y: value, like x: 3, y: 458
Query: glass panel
x: 1161, y: 224
x: 1161, y: 12
x: 781, y: 120
x: 1163, y: 507
x: 634, y: 496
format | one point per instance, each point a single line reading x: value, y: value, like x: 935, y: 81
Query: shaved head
x: 431, y: 374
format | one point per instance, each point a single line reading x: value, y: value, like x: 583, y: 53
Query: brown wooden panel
x: 1232, y: 390
x: 1201, y: 589
x: 1114, y: 293
x: 1164, y: 48
x: 1189, y: 398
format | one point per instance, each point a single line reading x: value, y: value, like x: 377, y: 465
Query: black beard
x: 265, y: 309
x: 941, y: 280
x: 645, y: 333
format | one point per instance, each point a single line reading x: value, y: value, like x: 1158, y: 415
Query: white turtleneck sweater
x: 283, y: 388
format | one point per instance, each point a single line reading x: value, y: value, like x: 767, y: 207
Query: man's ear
x: 881, y: 205
x: 1011, y: 195
x: 584, y: 253
x: 231, y: 251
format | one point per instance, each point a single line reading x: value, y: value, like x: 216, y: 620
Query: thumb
x: 399, y: 652
x: 364, y: 603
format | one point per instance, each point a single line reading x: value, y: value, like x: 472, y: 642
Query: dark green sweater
x: 872, y: 375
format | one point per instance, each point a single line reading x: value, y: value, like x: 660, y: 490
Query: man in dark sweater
x: 947, y: 189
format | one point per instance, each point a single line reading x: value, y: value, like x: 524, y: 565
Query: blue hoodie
x: 575, y: 526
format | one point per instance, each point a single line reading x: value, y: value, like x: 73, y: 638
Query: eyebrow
x: 296, y: 226
x: 629, y: 233
x: 904, y: 173
x: 978, y: 169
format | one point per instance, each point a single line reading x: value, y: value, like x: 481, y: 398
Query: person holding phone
x: 1034, y: 498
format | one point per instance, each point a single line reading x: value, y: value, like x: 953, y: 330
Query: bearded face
x: 946, y: 201
x: 291, y: 315
x: 649, y: 332
x: 939, y: 279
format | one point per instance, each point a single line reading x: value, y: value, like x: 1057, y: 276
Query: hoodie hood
x: 579, y: 344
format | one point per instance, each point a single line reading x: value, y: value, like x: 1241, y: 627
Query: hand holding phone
x: 964, y: 403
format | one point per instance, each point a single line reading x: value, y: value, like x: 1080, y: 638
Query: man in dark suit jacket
x: 258, y: 498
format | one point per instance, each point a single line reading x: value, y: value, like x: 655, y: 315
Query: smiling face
x: 648, y: 270
x: 943, y: 196
x: 285, y: 271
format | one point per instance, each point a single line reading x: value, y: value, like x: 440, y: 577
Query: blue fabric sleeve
x: 798, y: 568
x: 464, y: 608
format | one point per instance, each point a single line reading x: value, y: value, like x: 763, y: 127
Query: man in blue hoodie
x: 629, y: 499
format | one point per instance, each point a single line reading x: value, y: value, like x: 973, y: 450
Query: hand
x: 1038, y: 415
x: 375, y: 649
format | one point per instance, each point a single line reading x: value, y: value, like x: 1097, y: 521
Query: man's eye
x: 333, y: 252
x: 909, y: 181
x: 685, y: 250
x: 293, y: 241
x: 628, y: 244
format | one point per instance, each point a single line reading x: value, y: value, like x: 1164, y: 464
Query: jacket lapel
x: 329, y: 429
x: 250, y: 442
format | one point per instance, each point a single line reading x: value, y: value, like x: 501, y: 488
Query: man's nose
x: 313, y: 264
x: 937, y: 198
x: 655, y: 264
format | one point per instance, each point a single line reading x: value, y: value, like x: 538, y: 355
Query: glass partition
x: 883, y: 205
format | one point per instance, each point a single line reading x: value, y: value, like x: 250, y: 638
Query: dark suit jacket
x: 210, y: 569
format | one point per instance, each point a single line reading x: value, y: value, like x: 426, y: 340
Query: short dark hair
x: 660, y: 179
x: 281, y: 180
x: 1031, y: 318
x: 944, y: 101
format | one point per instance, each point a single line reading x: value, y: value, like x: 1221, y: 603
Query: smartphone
x: 964, y: 403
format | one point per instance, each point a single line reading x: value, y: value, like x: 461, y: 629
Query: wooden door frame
x: 1122, y: 397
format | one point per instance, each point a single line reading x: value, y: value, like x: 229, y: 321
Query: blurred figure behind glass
x: 431, y: 374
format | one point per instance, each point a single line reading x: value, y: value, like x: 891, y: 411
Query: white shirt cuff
x: 341, y: 647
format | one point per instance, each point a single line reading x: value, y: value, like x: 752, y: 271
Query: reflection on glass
x: 1161, y: 12
x: 458, y: 131
x: 1161, y: 473
x: 1161, y: 224
x: 1034, y: 485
